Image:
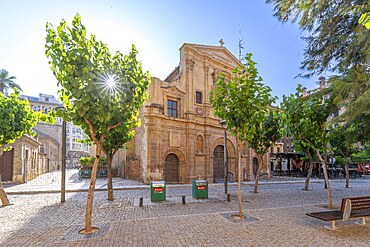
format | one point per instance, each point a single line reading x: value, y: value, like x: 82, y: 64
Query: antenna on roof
x: 240, y: 46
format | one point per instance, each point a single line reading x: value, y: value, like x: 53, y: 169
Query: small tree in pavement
x: 243, y: 103
x: 267, y: 133
x: 115, y: 140
x: 83, y: 66
x: 306, y: 121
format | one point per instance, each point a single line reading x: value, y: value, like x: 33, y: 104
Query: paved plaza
x: 275, y: 216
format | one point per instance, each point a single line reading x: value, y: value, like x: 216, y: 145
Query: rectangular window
x: 198, y: 97
x: 172, y: 108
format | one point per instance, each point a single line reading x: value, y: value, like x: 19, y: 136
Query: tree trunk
x: 3, y: 196
x: 346, y: 168
x: 326, y: 178
x: 310, y: 168
x: 90, y: 196
x: 110, y: 184
x: 239, y: 182
x: 260, y: 158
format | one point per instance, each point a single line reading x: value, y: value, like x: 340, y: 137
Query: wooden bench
x: 355, y: 207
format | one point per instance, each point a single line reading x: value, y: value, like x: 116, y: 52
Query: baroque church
x: 180, y: 138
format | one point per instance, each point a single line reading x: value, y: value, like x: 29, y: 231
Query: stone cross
x: 221, y: 42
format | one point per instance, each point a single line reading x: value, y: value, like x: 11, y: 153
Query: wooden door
x: 6, y: 165
x: 218, y: 164
x: 171, y: 168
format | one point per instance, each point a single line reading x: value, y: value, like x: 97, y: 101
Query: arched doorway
x: 218, y: 164
x: 255, y: 166
x: 171, y: 168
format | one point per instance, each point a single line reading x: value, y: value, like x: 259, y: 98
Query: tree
x: 242, y: 102
x: 16, y: 119
x: 351, y: 93
x: 7, y: 81
x: 306, y: 121
x: 83, y: 66
x: 115, y: 140
x: 267, y: 133
x: 342, y: 141
x: 337, y: 41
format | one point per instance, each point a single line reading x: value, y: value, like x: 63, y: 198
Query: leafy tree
x: 306, y: 121
x: 267, y: 133
x: 342, y: 141
x: 7, y: 81
x: 115, y: 140
x: 363, y: 153
x: 82, y: 65
x: 16, y: 119
x: 337, y: 41
x: 243, y: 103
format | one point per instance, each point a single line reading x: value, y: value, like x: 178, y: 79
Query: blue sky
x: 158, y: 29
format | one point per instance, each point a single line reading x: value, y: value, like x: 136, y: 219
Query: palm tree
x: 6, y: 81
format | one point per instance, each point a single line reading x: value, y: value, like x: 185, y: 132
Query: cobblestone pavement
x: 275, y: 217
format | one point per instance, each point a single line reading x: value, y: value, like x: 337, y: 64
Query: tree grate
x: 234, y: 217
x: 74, y: 235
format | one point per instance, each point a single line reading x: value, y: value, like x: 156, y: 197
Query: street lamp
x: 223, y: 123
x: 63, y: 168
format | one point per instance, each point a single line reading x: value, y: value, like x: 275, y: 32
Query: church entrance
x: 218, y: 164
x: 171, y: 168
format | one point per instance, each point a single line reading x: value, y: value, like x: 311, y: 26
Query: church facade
x: 180, y: 138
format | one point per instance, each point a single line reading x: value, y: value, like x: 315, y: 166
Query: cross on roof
x: 221, y: 42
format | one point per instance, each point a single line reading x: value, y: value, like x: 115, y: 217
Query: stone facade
x: 26, y: 160
x: 180, y: 138
x: 75, y: 150
x: 50, y: 156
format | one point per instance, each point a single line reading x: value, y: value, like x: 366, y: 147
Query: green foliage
x: 82, y: 66
x: 268, y: 132
x: 119, y: 136
x: 343, y: 139
x: 85, y: 161
x: 89, y: 161
x: 363, y: 153
x: 7, y: 81
x: 242, y: 102
x: 336, y: 41
x: 351, y: 91
x: 17, y: 118
x: 365, y: 20
x: 306, y: 118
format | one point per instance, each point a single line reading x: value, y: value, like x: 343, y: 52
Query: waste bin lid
x: 201, y: 181
x: 158, y: 184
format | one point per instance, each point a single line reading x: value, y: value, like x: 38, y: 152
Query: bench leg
x: 333, y: 227
x: 363, y: 221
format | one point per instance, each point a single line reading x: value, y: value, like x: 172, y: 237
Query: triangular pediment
x: 217, y: 53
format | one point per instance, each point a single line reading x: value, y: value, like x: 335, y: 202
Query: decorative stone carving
x: 190, y: 63
x: 199, y: 111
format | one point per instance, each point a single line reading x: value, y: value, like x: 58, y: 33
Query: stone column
x: 208, y: 154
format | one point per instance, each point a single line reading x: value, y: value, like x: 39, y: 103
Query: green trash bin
x: 200, y: 189
x: 158, y: 191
